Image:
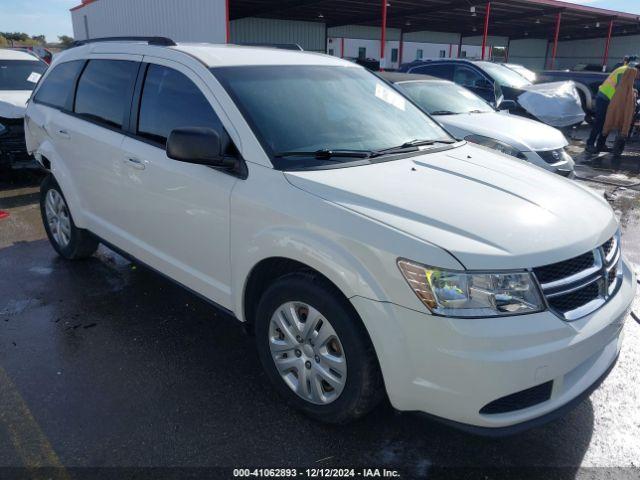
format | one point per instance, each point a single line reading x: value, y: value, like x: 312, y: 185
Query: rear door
x: 94, y: 134
x: 180, y: 211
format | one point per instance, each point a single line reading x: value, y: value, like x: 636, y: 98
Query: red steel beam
x: 227, y: 21
x: 555, y: 40
x: 486, y: 29
x: 383, y: 34
x: 401, y: 49
x: 342, y: 47
x: 605, y: 59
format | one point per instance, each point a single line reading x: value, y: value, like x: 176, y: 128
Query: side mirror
x: 202, y: 146
x: 508, y: 105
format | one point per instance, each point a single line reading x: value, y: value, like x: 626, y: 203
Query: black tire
x: 82, y: 244
x: 364, y: 388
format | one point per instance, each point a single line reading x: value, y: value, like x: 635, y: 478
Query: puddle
x: 41, y: 270
x: 16, y: 307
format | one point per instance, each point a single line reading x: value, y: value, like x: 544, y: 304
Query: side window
x: 169, y: 101
x: 58, y: 86
x: 440, y: 71
x: 467, y: 77
x: 104, y: 91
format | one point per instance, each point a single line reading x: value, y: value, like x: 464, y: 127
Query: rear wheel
x: 315, y: 350
x: 69, y: 241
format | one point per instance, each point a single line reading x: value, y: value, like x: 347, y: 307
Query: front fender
x: 332, y: 260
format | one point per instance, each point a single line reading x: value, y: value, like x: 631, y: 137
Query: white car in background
x: 469, y: 117
x: 374, y: 255
x: 19, y: 74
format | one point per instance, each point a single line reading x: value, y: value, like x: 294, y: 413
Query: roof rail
x: 158, y: 41
x: 280, y: 46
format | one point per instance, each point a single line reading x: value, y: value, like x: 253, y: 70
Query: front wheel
x: 69, y: 241
x: 315, y: 350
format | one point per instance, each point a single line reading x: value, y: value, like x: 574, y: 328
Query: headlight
x: 496, y: 145
x: 461, y: 294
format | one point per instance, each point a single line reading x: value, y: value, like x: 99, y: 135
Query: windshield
x: 523, y: 71
x: 324, y: 108
x: 504, y: 76
x: 444, y: 98
x: 20, y: 74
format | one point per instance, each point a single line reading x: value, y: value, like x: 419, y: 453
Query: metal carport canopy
x: 509, y: 18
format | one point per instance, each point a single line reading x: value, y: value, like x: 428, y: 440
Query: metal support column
x: 486, y: 29
x: 383, y: 34
x: 555, y: 40
x: 228, y: 22
x: 605, y: 59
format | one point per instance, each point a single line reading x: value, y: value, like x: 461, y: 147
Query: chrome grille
x: 579, y: 286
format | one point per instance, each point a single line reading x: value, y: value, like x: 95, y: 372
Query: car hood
x: 524, y: 134
x: 486, y: 209
x: 13, y: 103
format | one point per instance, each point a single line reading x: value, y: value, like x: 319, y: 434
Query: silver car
x: 466, y: 115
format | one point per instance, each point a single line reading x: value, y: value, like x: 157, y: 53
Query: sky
x: 52, y: 18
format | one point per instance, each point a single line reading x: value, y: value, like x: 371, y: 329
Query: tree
x: 39, y: 38
x: 3, y: 41
x: 65, y: 40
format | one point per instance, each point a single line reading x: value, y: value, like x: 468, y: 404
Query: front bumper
x: 452, y: 368
x: 13, y: 149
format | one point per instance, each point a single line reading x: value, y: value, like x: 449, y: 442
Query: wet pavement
x: 105, y: 364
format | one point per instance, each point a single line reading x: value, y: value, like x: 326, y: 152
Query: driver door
x: 476, y: 82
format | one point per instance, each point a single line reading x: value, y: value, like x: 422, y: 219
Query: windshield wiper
x: 411, y: 146
x: 478, y: 111
x: 327, y: 154
x: 443, y: 112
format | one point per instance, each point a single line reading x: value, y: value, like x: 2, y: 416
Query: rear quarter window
x: 57, y: 88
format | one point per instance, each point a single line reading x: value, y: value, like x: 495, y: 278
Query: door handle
x: 135, y: 163
x: 64, y: 134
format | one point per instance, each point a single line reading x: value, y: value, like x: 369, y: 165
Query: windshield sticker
x: 389, y: 96
x: 34, y: 77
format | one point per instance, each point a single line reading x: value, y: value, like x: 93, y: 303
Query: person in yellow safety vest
x: 606, y: 93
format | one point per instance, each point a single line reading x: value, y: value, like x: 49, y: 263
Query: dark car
x: 491, y: 81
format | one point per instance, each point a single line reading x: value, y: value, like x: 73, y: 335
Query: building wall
x: 309, y: 35
x: 362, y: 32
x: 530, y: 52
x: 573, y: 52
x: 491, y: 40
x: 202, y: 21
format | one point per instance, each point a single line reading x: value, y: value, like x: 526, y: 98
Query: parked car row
x: 557, y: 104
x: 372, y: 253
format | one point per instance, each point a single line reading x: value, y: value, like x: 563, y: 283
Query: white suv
x: 371, y: 253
